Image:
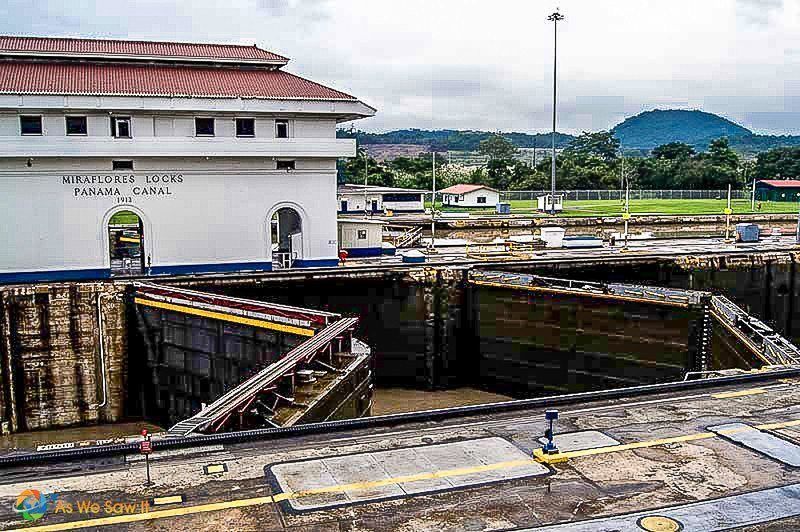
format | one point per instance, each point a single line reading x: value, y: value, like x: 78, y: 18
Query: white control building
x: 149, y: 158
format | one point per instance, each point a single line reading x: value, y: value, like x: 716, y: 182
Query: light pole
x: 555, y: 18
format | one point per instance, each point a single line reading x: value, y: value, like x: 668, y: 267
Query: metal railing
x: 599, y: 195
x: 605, y: 195
x: 653, y: 294
x: 767, y: 344
x: 216, y: 413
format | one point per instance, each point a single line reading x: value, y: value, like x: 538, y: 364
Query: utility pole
x: 433, y: 205
x: 554, y: 18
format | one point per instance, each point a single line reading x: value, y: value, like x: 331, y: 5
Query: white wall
x: 165, y: 124
x: 355, y: 201
x: 348, y: 235
x: 405, y: 206
x: 202, y: 217
x: 470, y: 199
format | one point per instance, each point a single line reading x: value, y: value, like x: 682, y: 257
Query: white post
x: 753, y: 196
x: 627, y: 212
x: 433, y: 205
x: 728, y: 216
x: 366, y: 175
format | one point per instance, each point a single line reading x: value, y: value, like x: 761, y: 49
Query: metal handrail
x: 267, y: 376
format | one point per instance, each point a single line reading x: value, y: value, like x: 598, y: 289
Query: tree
x: 602, y: 144
x: 497, y: 147
x: 673, y: 151
x: 777, y: 163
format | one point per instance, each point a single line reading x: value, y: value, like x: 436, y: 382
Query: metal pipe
x: 101, y: 343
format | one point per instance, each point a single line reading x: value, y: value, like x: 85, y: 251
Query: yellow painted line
x: 358, y: 486
x: 190, y: 510
x: 172, y: 499
x: 225, y: 317
x: 728, y: 395
x: 129, y: 239
x: 150, y: 516
x: 560, y: 457
x: 215, y: 468
x: 774, y: 426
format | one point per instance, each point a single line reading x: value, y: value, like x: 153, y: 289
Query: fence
x: 575, y: 195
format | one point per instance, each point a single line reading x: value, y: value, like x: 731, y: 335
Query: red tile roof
x: 172, y: 50
x: 463, y: 189
x: 782, y: 183
x: 158, y: 80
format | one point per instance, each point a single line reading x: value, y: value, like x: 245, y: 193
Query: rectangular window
x: 481, y: 199
x: 245, y: 127
x: 122, y: 165
x: 121, y: 127
x: 204, y: 127
x: 30, y: 125
x: 362, y: 234
x: 76, y: 125
x: 285, y: 165
x: 281, y: 129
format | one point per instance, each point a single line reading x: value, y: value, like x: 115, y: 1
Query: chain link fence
x: 577, y: 195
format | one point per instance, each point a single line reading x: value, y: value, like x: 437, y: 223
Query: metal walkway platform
x: 629, y: 292
x: 266, y: 382
x: 761, y: 339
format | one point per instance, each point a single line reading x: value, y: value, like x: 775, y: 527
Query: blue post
x: 550, y: 447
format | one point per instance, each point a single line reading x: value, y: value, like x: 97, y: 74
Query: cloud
x: 467, y: 64
x: 758, y: 12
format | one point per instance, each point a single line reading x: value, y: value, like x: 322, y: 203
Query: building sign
x: 124, y: 188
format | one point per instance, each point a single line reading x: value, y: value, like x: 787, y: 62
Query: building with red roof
x: 136, y: 157
x: 778, y: 190
x: 464, y: 195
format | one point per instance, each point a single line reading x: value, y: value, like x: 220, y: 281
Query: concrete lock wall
x: 53, y: 369
x: 197, y: 216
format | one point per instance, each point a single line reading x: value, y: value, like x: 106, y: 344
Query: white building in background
x: 470, y: 196
x: 218, y: 159
x: 353, y: 199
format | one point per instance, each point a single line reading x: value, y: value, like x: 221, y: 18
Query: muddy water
x: 400, y: 400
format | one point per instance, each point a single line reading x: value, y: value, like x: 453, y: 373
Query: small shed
x: 778, y: 190
x: 360, y: 237
x: 470, y: 196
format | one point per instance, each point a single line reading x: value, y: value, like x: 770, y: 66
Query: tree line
x: 590, y: 161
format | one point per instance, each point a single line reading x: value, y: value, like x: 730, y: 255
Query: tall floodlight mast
x: 554, y: 18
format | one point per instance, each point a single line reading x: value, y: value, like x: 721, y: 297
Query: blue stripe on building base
x: 55, y: 275
x: 315, y: 263
x: 183, y: 269
x: 363, y: 252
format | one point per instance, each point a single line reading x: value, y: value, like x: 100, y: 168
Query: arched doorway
x: 126, y: 244
x: 286, y: 237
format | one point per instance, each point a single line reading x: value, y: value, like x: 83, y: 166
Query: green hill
x: 647, y: 130
x: 638, y: 134
x: 451, y: 139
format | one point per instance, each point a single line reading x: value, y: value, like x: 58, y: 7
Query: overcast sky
x: 471, y: 64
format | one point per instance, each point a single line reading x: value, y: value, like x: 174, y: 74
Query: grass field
x: 642, y: 207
